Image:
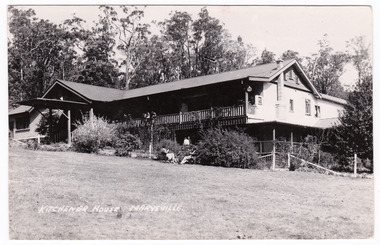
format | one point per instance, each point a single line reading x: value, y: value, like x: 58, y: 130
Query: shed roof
x: 20, y: 109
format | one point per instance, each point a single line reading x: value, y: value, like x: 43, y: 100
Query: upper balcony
x: 223, y: 116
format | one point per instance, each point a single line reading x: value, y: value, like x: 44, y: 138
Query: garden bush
x: 91, y: 139
x: 125, y: 143
x: 227, y: 148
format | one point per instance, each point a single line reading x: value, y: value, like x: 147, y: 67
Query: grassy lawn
x: 206, y: 202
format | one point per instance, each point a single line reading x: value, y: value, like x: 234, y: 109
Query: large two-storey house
x: 275, y: 98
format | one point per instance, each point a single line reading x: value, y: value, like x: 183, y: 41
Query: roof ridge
x: 85, y: 84
x: 208, y: 75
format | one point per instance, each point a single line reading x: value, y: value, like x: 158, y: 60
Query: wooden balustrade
x: 194, y: 116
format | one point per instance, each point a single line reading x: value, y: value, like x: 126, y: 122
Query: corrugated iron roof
x: 20, y: 109
x: 104, y: 94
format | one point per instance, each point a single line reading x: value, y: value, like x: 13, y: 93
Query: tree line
x: 121, y: 51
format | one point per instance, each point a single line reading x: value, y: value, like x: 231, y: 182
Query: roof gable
x: 84, y: 92
x: 293, y: 79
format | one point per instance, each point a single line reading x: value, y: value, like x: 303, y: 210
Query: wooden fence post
x: 291, y: 142
x: 355, y: 163
x: 151, y: 140
x: 68, y: 127
x: 274, y: 150
x: 288, y: 160
x: 38, y: 139
x: 91, y: 117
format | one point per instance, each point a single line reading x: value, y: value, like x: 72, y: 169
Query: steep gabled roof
x: 20, y: 109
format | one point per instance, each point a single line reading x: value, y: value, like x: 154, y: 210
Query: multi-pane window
x: 307, y: 107
x: 291, y: 105
x: 317, y: 111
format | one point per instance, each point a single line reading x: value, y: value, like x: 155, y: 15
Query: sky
x: 275, y: 28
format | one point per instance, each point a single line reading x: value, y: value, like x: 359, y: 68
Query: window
x: 22, y: 123
x: 291, y: 74
x: 307, y: 107
x: 317, y: 111
x: 259, y: 100
x: 291, y: 105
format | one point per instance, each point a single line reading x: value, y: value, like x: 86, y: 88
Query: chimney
x: 279, y: 63
x: 280, y: 105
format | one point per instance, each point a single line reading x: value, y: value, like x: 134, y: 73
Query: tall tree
x: 208, y: 37
x: 236, y: 54
x: 155, y: 64
x: 98, y: 65
x: 290, y: 54
x: 325, y: 68
x: 132, y: 36
x: 38, y: 52
x: 266, y: 57
x: 177, y: 32
x: 359, y: 54
x: 355, y: 134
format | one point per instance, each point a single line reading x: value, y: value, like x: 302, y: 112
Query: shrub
x: 54, y: 147
x: 225, y: 148
x: 87, y: 138
x: 125, y: 143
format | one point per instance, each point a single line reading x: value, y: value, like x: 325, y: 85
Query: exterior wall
x: 269, y: 101
x: 328, y: 109
x: 35, y: 118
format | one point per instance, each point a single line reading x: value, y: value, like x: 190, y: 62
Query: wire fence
x: 304, y: 156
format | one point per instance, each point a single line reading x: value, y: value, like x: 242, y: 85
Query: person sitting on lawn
x: 167, y: 155
x: 189, y: 158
